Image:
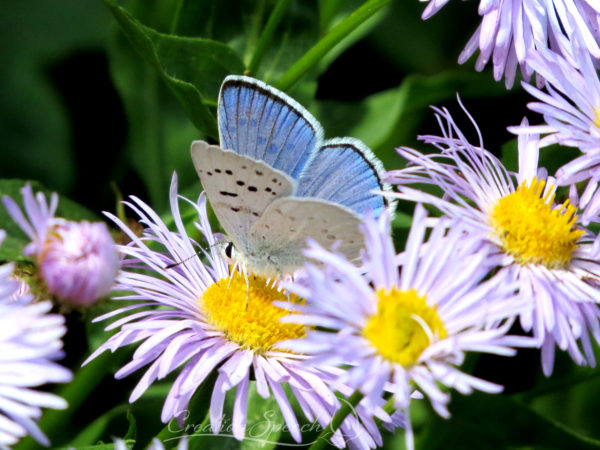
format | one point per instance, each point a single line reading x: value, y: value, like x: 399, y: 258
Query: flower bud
x: 77, y: 261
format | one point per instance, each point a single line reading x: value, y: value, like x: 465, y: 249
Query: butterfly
x: 273, y: 181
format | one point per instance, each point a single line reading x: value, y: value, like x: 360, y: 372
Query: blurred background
x: 88, y: 116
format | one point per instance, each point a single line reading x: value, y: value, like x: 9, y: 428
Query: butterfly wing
x: 239, y: 188
x: 280, y: 234
x: 260, y: 122
x: 345, y: 171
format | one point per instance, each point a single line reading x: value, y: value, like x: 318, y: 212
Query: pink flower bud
x: 78, y: 261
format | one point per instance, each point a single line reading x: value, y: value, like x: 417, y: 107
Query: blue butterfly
x: 274, y: 181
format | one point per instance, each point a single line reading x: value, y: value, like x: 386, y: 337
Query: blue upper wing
x: 345, y: 171
x: 260, y: 122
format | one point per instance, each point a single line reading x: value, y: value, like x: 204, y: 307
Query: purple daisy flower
x: 29, y: 344
x: 405, y: 320
x: 77, y: 261
x: 541, y: 245
x: 213, y: 319
x: 571, y: 109
x: 509, y: 28
x: 588, y: 202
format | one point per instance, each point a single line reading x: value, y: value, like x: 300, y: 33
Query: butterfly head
x: 229, y: 250
x: 259, y: 262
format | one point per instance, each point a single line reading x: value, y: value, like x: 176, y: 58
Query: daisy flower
x: 213, y: 318
x: 509, y: 28
x: 588, y: 202
x: 77, y: 261
x: 539, y: 244
x: 29, y: 345
x: 570, y: 105
x: 401, y: 321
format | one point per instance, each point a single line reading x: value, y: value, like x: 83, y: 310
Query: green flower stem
x: 267, y: 34
x: 346, y: 409
x: 119, y: 201
x: 176, y: 15
x: 328, y: 42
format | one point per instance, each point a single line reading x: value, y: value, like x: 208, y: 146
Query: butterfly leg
x: 233, y: 269
x: 247, y: 285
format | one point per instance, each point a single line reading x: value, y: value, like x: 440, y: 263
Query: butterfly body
x: 273, y: 182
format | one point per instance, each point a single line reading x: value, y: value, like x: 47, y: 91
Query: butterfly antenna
x: 175, y: 264
x: 170, y: 266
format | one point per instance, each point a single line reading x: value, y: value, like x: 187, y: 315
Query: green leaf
x: 265, y: 423
x: 245, y: 28
x: 12, y: 247
x: 332, y: 13
x: 267, y: 34
x: 329, y: 10
x: 297, y: 31
x: 159, y: 135
x: 498, y: 422
x: 331, y: 39
x: 94, y: 431
x: 391, y: 118
x: 193, y: 68
x: 104, y: 426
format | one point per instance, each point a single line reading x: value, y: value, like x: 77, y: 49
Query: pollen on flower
x: 403, y: 326
x: 597, y: 116
x: 245, y: 312
x: 532, y: 231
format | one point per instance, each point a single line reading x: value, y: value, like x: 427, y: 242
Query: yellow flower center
x: 597, y: 116
x: 245, y: 313
x: 531, y: 231
x: 403, y: 326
